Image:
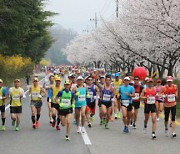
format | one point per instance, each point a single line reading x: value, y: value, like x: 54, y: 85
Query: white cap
x: 146, y: 79
x: 80, y: 78
x: 127, y: 78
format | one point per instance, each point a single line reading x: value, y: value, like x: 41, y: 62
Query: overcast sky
x: 76, y: 14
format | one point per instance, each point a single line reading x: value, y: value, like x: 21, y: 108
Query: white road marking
x: 24, y: 93
x: 86, y: 138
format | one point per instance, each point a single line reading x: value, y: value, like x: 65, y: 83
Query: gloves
x: 39, y: 96
x: 88, y: 96
x: 0, y: 97
x: 77, y: 93
x: 73, y: 106
x: 61, y: 105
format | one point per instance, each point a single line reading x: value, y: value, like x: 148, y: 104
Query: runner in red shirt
x: 149, y: 95
x: 171, y: 93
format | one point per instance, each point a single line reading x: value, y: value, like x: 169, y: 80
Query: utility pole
x: 95, y: 20
x: 117, y: 8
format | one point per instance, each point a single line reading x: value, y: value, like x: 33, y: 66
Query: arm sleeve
x: 5, y: 91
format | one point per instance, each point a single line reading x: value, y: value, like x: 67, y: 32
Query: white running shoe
x: 78, y: 129
x: 153, y: 136
x: 157, y: 119
x: 83, y: 130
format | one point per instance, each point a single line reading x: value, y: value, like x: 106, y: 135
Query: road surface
x: 97, y: 140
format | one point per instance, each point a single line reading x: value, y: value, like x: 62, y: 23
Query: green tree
x: 24, y: 28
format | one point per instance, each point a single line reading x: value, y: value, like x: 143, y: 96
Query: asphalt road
x: 46, y: 140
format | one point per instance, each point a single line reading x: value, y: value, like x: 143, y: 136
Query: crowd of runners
x: 82, y: 91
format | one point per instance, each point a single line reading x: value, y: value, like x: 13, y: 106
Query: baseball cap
x: 117, y: 75
x: 169, y: 79
x: 136, y: 78
x: 146, y: 79
x: 102, y: 76
x: 1, y: 80
x: 80, y: 78
x: 57, y: 78
x: 67, y: 82
x: 89, y: 77
x: 35, y: 79
x: 17, y: 80
x: 127, y: 78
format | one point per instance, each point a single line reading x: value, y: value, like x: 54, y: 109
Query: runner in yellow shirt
x: 55, y: 107
x: 36, y: 92
x: 116, y: 84
x: 16, y: 94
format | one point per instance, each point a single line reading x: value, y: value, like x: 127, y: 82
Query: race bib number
x: 16, y: 98
x: 35, y: 95
x: 66, y: 102
x: 136, y: 96
x: 125, y: 102
x: 91, y: 94
x: 171, y: 98
x: 81, y: 98
x: 106, y: 97
x: 151, y: 100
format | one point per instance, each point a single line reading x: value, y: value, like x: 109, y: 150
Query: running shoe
x: 37, y: 124
x: 131, y: 124
x: 89, y: 125
x: 127, y: 130
x: 17, y: 128
x: 153, y: 136
x: 58, y: 127
x: 67, y: 138
x: 174, y: 135
x: 134, y: 125
x: 103, y: 121
x: 34, y: 125
x: 124, y: 130
x: 78, y: 129
x: 53, y: 124
x: 116, y: 116
x: 13, y: 122
x: 157, y: 119
x: 3, y: 128
x: 106, y: 126
x: 83, y: 130
x: 51, y: 121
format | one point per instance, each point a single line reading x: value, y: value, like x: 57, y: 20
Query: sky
x: 76, y: 14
